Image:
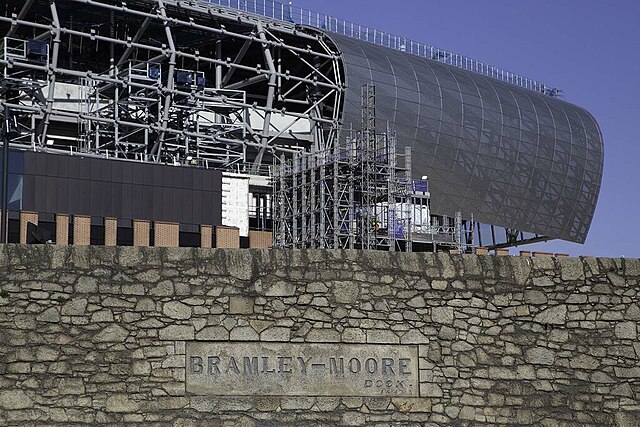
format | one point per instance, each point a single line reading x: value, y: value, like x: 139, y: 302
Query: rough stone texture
x: 97, y: 335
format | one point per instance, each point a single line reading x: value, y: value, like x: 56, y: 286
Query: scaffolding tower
x: 335, y: 198
x: 359, y: 194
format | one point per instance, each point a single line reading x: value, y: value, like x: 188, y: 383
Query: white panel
x: 235, y: 202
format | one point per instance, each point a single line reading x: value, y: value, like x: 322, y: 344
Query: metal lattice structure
x: 359, y: 194
x: 166, y: 81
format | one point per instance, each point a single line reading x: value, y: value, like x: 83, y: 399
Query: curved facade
x: 507, y: 155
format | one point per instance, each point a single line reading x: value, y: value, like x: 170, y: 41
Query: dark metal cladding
x: 507, y: 155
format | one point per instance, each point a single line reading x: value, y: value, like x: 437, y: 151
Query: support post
x: 157, y: 148
x: 44, y: 127
x: 273, y: 74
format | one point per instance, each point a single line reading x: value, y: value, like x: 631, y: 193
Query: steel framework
x: 359, y: 194
x: 166, y: 81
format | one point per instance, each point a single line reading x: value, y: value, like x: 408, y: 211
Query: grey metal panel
x: 101, y: 188
x: 509, y: 156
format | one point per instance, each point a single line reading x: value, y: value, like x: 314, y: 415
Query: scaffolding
x: 359, y: 194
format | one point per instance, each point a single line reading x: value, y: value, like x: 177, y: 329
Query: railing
x: 293, y: 14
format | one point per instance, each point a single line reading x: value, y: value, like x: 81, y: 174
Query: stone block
x: 275, y: 334
x: 571, y: 269
x: 414, y: 336
x: 86, y: 285
x: 241, y: 304
x: 323, y: 335
x: 14, y: 399
x: 442, y: 315
x: 417, y: 302
x: 121, y: 403
x: 177, y: 333
x: 354, y: 335
x: 543, y: 282
x: 213, y: 333
x: 102, y: 316
x: 280, y: 289
x: 430, y: 390
x: 440, y: 285
x: 584, y: 361
x: 540, y: 356
x: 176, y: 310
x: 244, y: 333
x: 75, y: 307
x: 626, y: 330
x: 382, y: 336
x: 50, y: 315
x: 409, y: 404
x: 345, y: 292
x: 111, y: 333
x: 71, y: 386
x: 536, y: 297
x: 556, y: 315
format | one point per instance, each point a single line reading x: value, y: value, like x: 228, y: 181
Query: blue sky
x: 588, y: 48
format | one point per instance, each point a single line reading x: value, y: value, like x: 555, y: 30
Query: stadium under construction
x: 251, y: 123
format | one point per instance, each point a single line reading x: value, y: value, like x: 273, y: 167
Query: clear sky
x: 588, y: 48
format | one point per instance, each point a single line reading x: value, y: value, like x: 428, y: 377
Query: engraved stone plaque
x: 298, y: 369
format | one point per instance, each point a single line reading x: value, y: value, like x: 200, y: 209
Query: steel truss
x: 167, y: 81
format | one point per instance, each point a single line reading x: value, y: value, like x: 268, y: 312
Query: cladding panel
x: 509, y: 156
x: 126, y: 190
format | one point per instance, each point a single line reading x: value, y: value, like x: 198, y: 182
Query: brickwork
x: 26, y: 218
x: 81, y: 230
x: 110, y: 231
x: 227, y: 237
x: 167, y: 234
x: 141, y: 232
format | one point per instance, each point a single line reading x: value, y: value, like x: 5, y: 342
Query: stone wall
x: 94, y: 335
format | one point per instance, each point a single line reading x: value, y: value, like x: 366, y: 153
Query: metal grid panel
x: 509, y: 156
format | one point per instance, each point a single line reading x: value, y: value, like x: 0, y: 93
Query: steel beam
x: 270, y: 95
x: 157, y: 148
x: 44, y: 126
x: 23, y: 12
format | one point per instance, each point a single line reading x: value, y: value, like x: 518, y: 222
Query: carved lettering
x: 371, y: 365
x: 233, y: 366
x: 335, y: 367
x: 301, y: 369
x: 250, y: 365
x: 284, y: 364
x: 387, y: 366
x: 303, y: 364
x: 212, y: 364
x: 265, y: 365
x: 403, y: 364
x: 354, y: 365
x: 196, y: 364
